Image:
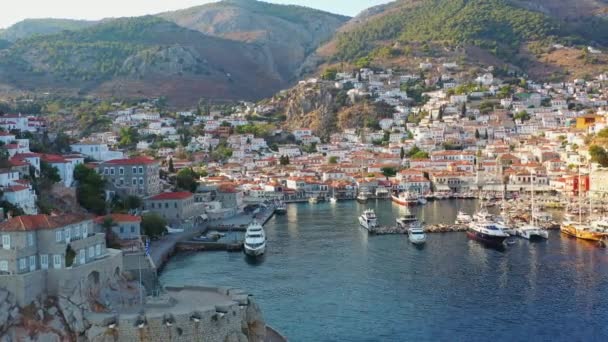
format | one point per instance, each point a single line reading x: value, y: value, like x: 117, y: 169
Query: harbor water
x: 325, y: 279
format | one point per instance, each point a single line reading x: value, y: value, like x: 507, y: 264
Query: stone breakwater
x: 436, y: 228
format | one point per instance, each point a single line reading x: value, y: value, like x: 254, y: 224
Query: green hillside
x: 495, y: 25
x: 32, y: 27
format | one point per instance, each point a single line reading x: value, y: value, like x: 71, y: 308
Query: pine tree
x: 402, y: 153
x: 171, y: 167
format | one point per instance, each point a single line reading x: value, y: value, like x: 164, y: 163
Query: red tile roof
x: 171, y: 196
x: 15, y: 188
x: 40, y: 222
x: 132, y: 161
x: 118, y: 218
x: 53, y: 158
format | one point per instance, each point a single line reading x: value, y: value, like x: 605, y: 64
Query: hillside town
x: 73, y: 203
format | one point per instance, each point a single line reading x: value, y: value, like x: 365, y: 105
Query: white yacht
x: 368, y: 219
x: 255, y: 240
x: 313, y: 200
x: 463, y: 218
x: 363, y: 196
x: 416, y: 235
x: 408, y: 220
x: 487, y: 232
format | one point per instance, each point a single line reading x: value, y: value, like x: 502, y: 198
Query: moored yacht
x: 313, y: 200
x: 363, y: 196
x: 255, y: 240
x: 463, y: 218
x: 408, y: 220
x: 368, y: 219
x: 487, y: 232
x: 281, y: 208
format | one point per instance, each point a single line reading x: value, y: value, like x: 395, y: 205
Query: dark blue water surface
x: 325, y: 279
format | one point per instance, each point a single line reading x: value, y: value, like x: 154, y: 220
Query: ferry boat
x: 368, y: 219
x: 487, y: 232
x: 255, y: 240
x: 405, y: 198
x: 281, y: 208
x: 416, y: 235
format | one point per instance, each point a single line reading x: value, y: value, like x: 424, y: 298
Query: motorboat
x: 313, y: 200
x: 255, y: 240
x: 408, y: 220
x: 333, y: 199
x: 368, y: 219
x: 416, y: 235
x: 281, y: 209
x: 463, y: 218
x: 362, y: 197
x: 487, y: 232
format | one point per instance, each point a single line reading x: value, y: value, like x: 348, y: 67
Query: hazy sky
x: 12, y: 11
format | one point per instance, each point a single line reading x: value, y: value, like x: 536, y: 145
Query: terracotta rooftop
x: 131, y: 161
x: 118, y: 218
x: 40, y: 222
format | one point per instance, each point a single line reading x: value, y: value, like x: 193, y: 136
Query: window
x: 112, y: 171
x: 105, y: 170
x: 121, y: 181
x: 141, y: 170
x: 122, y: 230
x: 132, y: 229
x: 134, y: 181
x: 30, y: 239
x: 85, y: 230
x: 134, y: 170
x: 32, y: 263
x: 3, y: 266
x: 175, y: 205
x: 98, y: 249
x: 77, y: 231
x: 68, y: 234
x: 6, y: 241
x: 91, y: 252
x: 57, y: 261
x: 141, y: 181
x: 121, y: 171
x: 82, y: 256
x: 58, y: 236
x: 22, y: 264
x: 44, y: 261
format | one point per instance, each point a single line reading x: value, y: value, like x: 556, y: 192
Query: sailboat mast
x: 532, y: 197
x: 580, y: 204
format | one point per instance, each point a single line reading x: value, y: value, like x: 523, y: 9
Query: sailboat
x: 579, y: 229
x: 532, y: 231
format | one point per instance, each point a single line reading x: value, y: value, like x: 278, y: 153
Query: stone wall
x: 25, y: 287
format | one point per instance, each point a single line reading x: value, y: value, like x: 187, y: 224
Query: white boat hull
x: 255, y: 251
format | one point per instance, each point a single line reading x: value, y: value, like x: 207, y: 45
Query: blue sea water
x: 325, y: 279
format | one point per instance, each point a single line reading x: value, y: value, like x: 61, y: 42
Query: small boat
x: 368, y: 219
x: 416, y: 235
x: 255, y: 240
x: 281, y: 209
x: 463, y: 218
x: 313, y: 200
x: 362, y: 197
x: 531, y: 232
x: 333, y: 199
x: 422, y: 200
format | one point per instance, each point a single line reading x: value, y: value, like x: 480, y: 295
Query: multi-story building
x: 133, y: 176
x: 45, y: 255
x: 598, y: 183
x: 174, y: 206
x: 97, y: 151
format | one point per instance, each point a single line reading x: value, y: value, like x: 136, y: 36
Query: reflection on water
x: 324, y: 279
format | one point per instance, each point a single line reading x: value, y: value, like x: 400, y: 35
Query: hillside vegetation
x: 32, y: 27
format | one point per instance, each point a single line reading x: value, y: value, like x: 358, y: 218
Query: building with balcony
x: 133, y: 176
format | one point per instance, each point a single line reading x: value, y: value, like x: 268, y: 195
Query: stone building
x: 124, y: 227
x: 134, y: 176
x: 44, y: 255
x: 175, y: 206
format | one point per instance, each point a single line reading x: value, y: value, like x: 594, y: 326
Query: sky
x: 12, y: 11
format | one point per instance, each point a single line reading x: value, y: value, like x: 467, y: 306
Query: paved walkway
x: 161, y: 249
